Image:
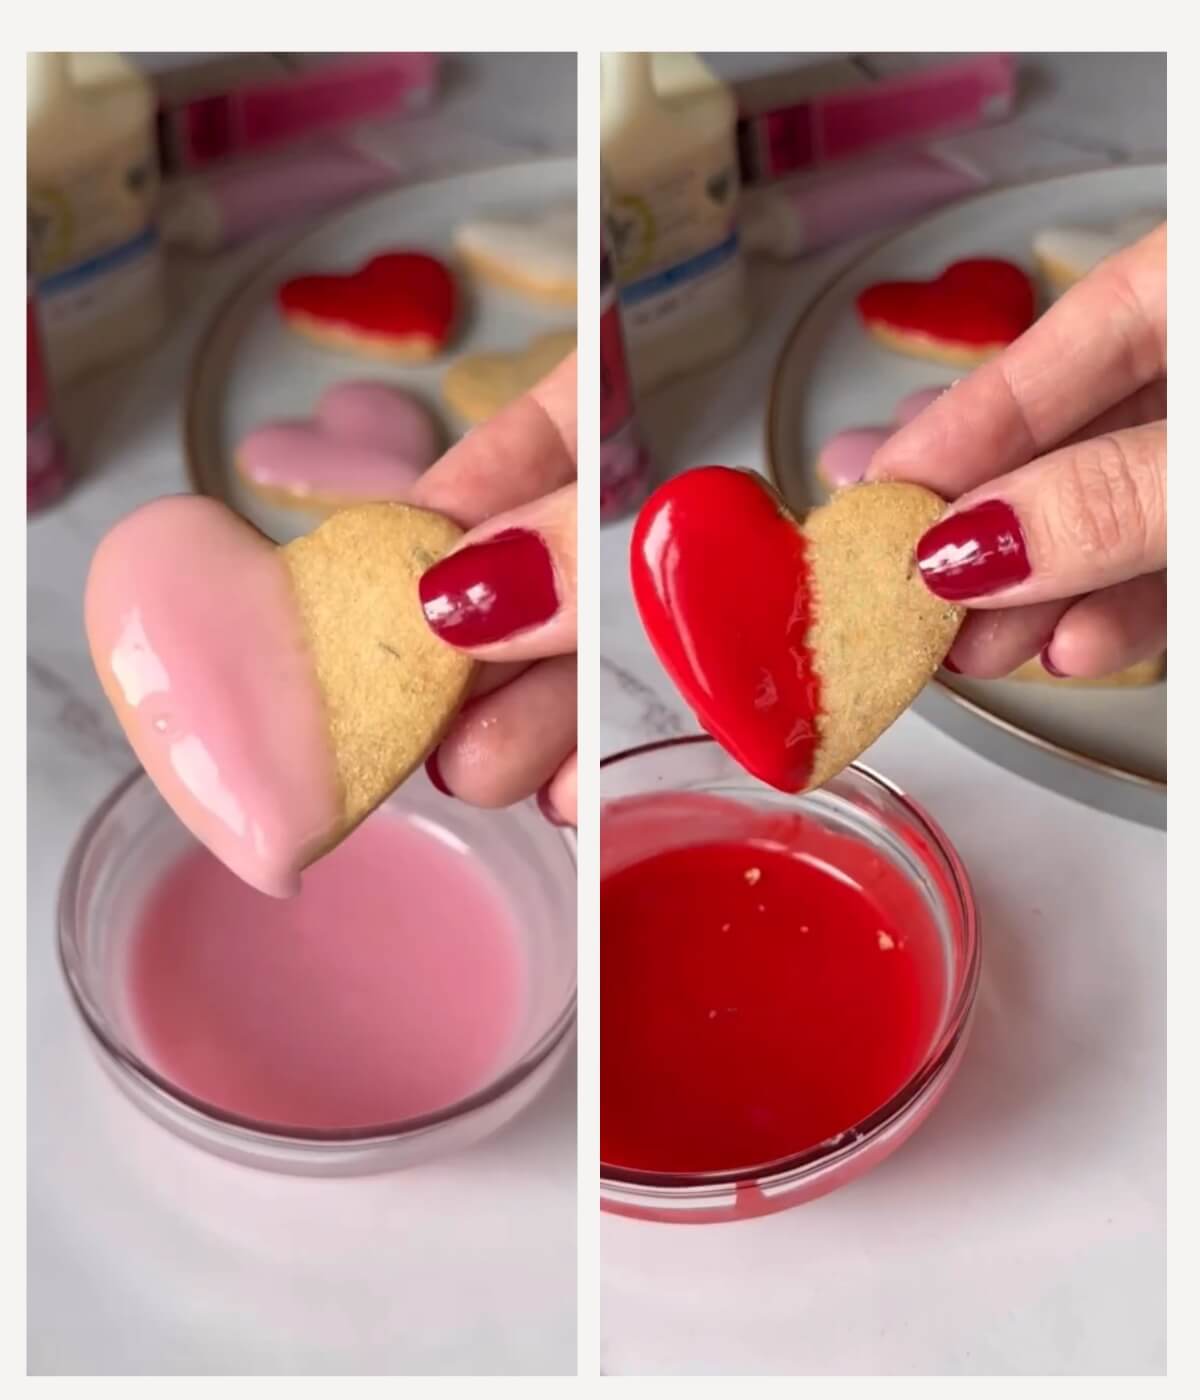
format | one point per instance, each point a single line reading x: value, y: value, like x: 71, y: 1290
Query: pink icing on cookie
x: 199, y: 647
x: 370, y: 414
x: 844, y: 459
x: 846, y: 456
x: 365, y: 442
x: 913, y: 404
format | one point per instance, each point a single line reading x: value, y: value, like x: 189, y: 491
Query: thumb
x: 1085, y: 517
x: 507, y: 592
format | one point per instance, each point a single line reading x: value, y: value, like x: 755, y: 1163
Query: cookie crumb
x: 886, y: 941
x: 753, y: 875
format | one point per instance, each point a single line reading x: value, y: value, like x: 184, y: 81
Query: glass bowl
x: 133, y: 837
x: 912, y: 858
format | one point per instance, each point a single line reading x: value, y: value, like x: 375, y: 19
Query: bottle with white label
x: 668, y: 159
x: 93, y: 188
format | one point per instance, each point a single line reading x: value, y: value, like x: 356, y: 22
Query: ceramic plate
x: 251, y: 369
x: 1105, y: 747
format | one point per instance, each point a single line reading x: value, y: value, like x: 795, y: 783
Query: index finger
x: 527, y: 450
x: 1104, y: 340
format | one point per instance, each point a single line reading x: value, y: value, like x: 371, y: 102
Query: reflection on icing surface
x: 199, y: 646
x: 138, y: 670
x: 721, y: 582
x: 199, y: 773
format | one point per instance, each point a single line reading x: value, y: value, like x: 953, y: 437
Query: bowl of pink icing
x: 414, y: 996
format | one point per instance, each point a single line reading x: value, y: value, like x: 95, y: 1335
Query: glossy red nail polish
x: 1047, y: 664
x: 433, y: 772
x: 492, y: 590
x: 974, y: 553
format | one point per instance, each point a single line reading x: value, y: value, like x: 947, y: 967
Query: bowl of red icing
x: 786, y: 982
x: 416, y: 994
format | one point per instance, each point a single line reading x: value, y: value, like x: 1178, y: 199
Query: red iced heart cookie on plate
x: 796, y: 643
x: 969, y: 313
x: 399, y: 306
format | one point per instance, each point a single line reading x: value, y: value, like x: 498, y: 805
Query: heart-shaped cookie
x: 478, y: 386
x: 366, y: 441
x: 845, y: 457
x: 533, y: 256
x: 796, y: 643
x: 398, y: 306
x: 1069, y: 252
x: 275, y: 696
x: 963, y: 317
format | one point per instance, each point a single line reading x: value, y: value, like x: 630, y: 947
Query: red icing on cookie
x: 982, y: 301
x: 396, y: 296
x: 721, y: 582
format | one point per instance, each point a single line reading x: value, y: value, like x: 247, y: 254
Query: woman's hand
x: 1054, y: 456
x: 507, y: 595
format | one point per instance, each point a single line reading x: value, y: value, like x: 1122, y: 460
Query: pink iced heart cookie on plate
x: 366, y: 441
x: 844, y: 458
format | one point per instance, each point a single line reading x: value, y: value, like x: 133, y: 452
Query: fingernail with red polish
x: 491, y: 590
x: 973, y: 553
x: 1048, y: 665
x: 434, y: 773
x: 546, y: 807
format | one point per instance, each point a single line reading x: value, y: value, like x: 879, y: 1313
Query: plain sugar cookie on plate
x: 1141, y: 673
x: 534, y: 256
x: 478, y: 386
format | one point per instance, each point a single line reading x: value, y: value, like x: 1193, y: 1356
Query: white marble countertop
x: 146, y: 1256
x: 1022, y: 1231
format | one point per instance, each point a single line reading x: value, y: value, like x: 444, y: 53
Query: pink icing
x: 365, y: 442
x: 197, y: 641
x: 912, y: 404
x: 394, y: 984
x: 846, y: 455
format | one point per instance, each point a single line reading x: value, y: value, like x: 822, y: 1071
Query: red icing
x: 982, y: 301
x: 721, y: 583
x: 747, y: 1018
x: 396, y: 296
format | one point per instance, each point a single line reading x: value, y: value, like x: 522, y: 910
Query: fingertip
x: 545, y: 803
x: 433, y: 771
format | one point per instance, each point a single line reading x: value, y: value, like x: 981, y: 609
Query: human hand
x: 1054, y: 456
x: 507, y: 595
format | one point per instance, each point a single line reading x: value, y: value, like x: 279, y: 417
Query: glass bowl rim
x: 860, y: 1136
x: 159, y: 1086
